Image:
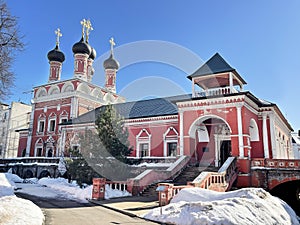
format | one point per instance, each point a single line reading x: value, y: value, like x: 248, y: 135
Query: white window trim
x: 143, y: 140
x: 169, y: 140
x: 39, y: 126
x: 38, y: 145
x: 52, y: 117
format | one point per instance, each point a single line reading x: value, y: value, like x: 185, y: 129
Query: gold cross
x: 112, y: 44
x: 83, y: 23
x: 58, y: 35
x: 88, y: 27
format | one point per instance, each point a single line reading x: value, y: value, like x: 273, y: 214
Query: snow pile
x: 145, y: 164
x: 67, y: 190
x: 244, y: 206
x: 73, y: 191
x: 14, y: 210
x: 114, y: 193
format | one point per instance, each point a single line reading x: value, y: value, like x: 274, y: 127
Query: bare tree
x: 10, y: 44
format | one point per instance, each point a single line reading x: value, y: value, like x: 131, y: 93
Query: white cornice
x: 152, y: 120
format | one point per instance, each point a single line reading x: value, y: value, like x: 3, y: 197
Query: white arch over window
x: 41, y: 124
x: 253, y: 130
x: 54, y: 90
x: 41, y: 92
x: 83, y: 87
x: 143, y: 144
x: 39, y: 147
x: 68, y: 87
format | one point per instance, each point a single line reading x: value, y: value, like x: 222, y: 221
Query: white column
x: 29, y: 137
x: 265, y: 136
x: 193, y: 88
x: 240, y: 131
x: 181, y: 133
x: 272, y: 132
x: 230, y: 82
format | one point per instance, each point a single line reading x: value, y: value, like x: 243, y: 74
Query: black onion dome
x: 81, y: 47
x: 56, y: 55
x: 93, y: 54
x: 111, y: 63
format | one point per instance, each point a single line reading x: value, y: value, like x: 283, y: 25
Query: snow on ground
x: 60, y: 188
x: 14, y: 210
x: 244, y: 206
x: 145, y: 164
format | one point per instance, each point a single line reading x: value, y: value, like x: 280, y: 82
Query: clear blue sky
x: 261, y: 39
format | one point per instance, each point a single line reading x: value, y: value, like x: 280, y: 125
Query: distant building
x: 13, y: 118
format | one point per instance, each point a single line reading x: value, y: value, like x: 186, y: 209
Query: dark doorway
x: 225, y: 151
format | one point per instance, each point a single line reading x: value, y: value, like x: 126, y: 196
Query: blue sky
x: 261, y: 39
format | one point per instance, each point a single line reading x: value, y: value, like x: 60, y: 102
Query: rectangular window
x: 0, y: 149
x: 205, y: 149
x: 64, y: 120
x: 172, y: 148
x: 144, y: 150
x: 41, y: 126
x: 39, y: 151
x: 52, y: 125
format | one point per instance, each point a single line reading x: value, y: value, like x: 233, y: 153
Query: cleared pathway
x: 66, y: 212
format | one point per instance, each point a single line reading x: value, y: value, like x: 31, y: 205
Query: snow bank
x: 14, y: 210
x: 73, y: 191
x: 244, y: 206
x: 113, y: 193
x: 67, y: 190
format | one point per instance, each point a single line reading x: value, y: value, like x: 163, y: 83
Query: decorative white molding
x: 169, y: 139
x: 143, y: 140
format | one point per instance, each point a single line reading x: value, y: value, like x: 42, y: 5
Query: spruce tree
x: 112, y: 133
x: 106, y: 149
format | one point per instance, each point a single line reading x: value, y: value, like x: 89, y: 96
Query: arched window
x: 39, y: 146
x: 63, y: 118
x: 143, y: 144
x: 170, y: 138
x: 41, y: 124
x: 52, y: 123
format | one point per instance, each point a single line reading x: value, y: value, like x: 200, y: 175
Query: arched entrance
x: 212, y: 135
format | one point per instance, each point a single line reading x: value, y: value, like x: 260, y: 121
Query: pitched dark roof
x: 137, y: 109
x: 216, y: 64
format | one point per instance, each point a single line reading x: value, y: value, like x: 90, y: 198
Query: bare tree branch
x: 10, y: 44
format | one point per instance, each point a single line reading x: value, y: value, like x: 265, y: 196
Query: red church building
x: 61, y: 100
x: 219, y: 119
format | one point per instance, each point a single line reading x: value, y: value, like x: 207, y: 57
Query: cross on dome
x: 58, y: 35
x: 89, y: 28
x: 112, y: 44
x: 83, y: 23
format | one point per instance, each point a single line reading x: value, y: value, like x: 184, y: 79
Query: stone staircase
x: 190, y: 173
x: 150, y: 191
